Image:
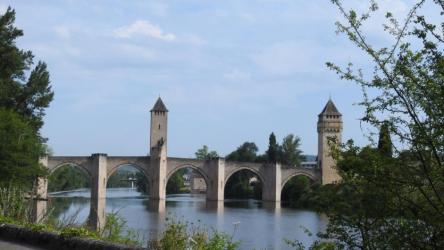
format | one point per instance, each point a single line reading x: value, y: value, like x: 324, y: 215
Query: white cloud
x: 143, y: 28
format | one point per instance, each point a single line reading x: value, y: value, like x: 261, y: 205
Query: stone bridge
x: 158, y: 167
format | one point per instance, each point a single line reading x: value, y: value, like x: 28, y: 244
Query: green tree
x: 385, y: 146
x: 273, y: 149
x: 239, y: 186
x: 204, y: 154
x: 119, y: 178
x: 176, y: 183
x: 299, y: 192
x: 141, y: 182
x: 247, y: 152
x: 394, y: 203
x: 20, y: 149
x: 68, y: 177
x: 25, y: 92
x: 28, y: 96
x: 290, y: 154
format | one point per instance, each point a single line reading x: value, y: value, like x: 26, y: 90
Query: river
x: 256, y: 224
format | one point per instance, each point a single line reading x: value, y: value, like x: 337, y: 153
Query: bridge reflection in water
x: 256, y: 224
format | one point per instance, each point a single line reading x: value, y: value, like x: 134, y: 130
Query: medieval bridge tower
x: 158, y: 167
x: 329, y: 136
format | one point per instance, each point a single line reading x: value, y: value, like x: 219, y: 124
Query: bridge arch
x: 182, y: 166
x: 114, y: 168
x: 288, y: 178
x: 253, y: 170
x: 72, y: 164
x: 234, y: 189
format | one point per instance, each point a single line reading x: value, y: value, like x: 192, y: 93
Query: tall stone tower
x: 329, y: 131
x: 159, y: 123
x: 158, y: 150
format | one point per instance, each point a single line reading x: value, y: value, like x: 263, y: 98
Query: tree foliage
x: 25, y: 92
x: 394, y: 202
x: 241, y: 186
x: 273, y: 149
x: 28, y: 96
x: 299, y: 192
x: 385, y: 146
x: 68, y: 177
x: 290, y: 154
x: 176, y: 182
x: 246, y: 152
x: 205, y: 154
x: 20, y: 149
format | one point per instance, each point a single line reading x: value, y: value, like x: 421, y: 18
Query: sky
x: 228, y: 71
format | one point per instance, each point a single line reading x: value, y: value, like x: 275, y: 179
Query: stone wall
x: 52, y: 241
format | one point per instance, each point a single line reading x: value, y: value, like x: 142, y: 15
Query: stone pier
x: 216, y: 176
x: 97, y: 214
x: 271, y: 187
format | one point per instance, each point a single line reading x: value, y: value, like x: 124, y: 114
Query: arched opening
x: 127, y: 180
x: 68, y: 177
x: 243, y: 184
x: 186, y: 180
x: 69, y: 194
x: 298, y: 191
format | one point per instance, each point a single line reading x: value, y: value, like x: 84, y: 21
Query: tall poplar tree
x: 385, y: 146
x: 273, y: 149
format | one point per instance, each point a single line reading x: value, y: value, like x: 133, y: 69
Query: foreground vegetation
x: 16, y: 209
x: 392, y: 196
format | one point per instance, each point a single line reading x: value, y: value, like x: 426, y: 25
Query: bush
x: 180, y: 236
x: 78, y: 232
x: 14, y: 206
x: 116, y: 230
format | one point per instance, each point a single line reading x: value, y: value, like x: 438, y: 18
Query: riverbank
x: 33, y: 239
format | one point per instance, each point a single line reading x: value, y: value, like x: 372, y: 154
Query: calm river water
x: 256, y: 224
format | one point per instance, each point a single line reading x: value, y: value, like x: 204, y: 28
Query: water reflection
x: 257, y: 224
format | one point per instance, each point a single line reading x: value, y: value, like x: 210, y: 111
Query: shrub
x: 179, y: 235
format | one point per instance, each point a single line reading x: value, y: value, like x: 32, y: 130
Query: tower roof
x: 159, y: 106
x: 330, y: 109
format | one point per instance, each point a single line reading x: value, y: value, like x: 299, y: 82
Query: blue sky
x: 229, y: 71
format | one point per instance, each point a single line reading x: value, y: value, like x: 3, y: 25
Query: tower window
x: 159, y: 126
